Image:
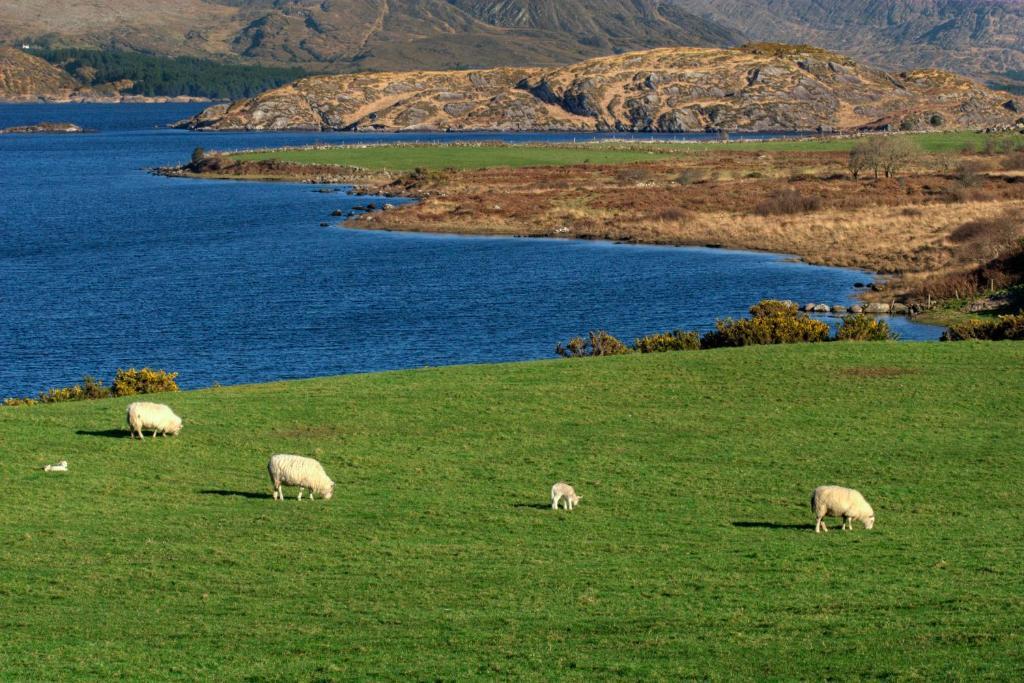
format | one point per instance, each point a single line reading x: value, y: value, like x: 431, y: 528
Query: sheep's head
x: 175, y: 426
x: 574, y: 498
x: 329, y: 492
x: 869, y: 521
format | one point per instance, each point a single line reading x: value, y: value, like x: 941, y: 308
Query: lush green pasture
x: 691, y: 555
x: 408, y: 157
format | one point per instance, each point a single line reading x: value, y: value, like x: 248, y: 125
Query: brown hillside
x: 25, y: 77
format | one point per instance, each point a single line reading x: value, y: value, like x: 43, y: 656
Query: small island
x: 43, y: 127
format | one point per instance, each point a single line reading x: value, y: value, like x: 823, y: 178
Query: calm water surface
x: 104, y: 266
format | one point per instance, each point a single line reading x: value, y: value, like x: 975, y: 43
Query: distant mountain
x: 342, y: 35
x: 980, y: 38
x: 760, y: 87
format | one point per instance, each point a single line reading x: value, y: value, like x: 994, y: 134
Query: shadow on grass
x: 771, y: 525
x: 534, y: 506
x: 243, y: 494
x: 109, y: 433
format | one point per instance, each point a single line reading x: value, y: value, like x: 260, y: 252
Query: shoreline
x: 796, y: 200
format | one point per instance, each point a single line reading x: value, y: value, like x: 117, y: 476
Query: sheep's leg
x: 300, y: 494
x: 554, y: 502
x: 311, y: 494
x: 569, y: 502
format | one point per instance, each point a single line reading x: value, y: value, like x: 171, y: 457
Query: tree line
x: 169, y: 76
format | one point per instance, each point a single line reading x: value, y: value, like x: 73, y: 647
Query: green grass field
x: 409, y: 157
x: 691, y: 554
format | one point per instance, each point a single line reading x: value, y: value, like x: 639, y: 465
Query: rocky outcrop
x: 45, y: 127
x: 755, y: 88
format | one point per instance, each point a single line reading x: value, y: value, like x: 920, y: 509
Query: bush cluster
x: 1003, y: 328
x: 145, y: 381
x: 863, y: 328
x: 772, y: 328
x: 126, y: 383
x: 677, y: 340
x: 598, y: 343
x: 772, y: 322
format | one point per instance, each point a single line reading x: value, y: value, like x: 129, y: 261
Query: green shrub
x: 145, y: 381
x: 863, y: 328
x: 1005, y: 327
x: 677, y: 340
x: 598, y: 343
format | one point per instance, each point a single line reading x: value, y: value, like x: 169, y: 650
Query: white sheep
x: 563, y: 492
x: 62, y: 466
x: 837, y: 501
x: 296, y: 470
x: 155, y: 416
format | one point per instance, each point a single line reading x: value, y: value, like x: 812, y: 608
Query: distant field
x: 409, y: 157
x: 691, y: 555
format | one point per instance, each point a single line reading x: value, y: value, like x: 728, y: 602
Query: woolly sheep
x: 296, y: 470
x: 837, y: 501
x: 563, y: 492
x: 155, y: 416
x: 62, y: 466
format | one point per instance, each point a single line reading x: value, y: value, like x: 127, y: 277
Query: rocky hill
x: 758, y: 88
x: 345, y: 35
x: 27, y: 78
x: 982, y: 38
x: 24, y: 77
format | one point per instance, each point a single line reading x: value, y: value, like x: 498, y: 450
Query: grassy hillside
x: 691, y: 555
x: 409, y: 157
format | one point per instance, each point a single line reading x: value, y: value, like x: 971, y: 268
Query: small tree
x: 859, y: 159
x: 895, y: 153
x: 198, y: 154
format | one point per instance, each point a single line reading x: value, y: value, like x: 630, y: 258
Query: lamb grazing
x: 837, y: 501
x: 155, y: 416
x: 62, y: 466
x: 563, y: 492
x: 296, y: 470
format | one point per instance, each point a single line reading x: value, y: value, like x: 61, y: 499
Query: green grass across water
x: 434, y: 157
x: 691, y: 554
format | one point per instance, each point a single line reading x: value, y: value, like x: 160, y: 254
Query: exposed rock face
x: 756, y: 88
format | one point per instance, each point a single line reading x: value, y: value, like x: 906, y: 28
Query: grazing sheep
x: 564, y: 492
x: 296, y: 470
x: 837, y: 501
x: 62, y: 466
x: 155, y: 416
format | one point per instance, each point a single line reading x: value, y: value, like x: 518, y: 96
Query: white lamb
x: 155, y: 416
x: 837, y: 501
x: 62, y: 466
x: 296, y: 470
x: 563, y: 492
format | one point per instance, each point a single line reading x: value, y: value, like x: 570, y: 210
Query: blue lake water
x: 103, y: 266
